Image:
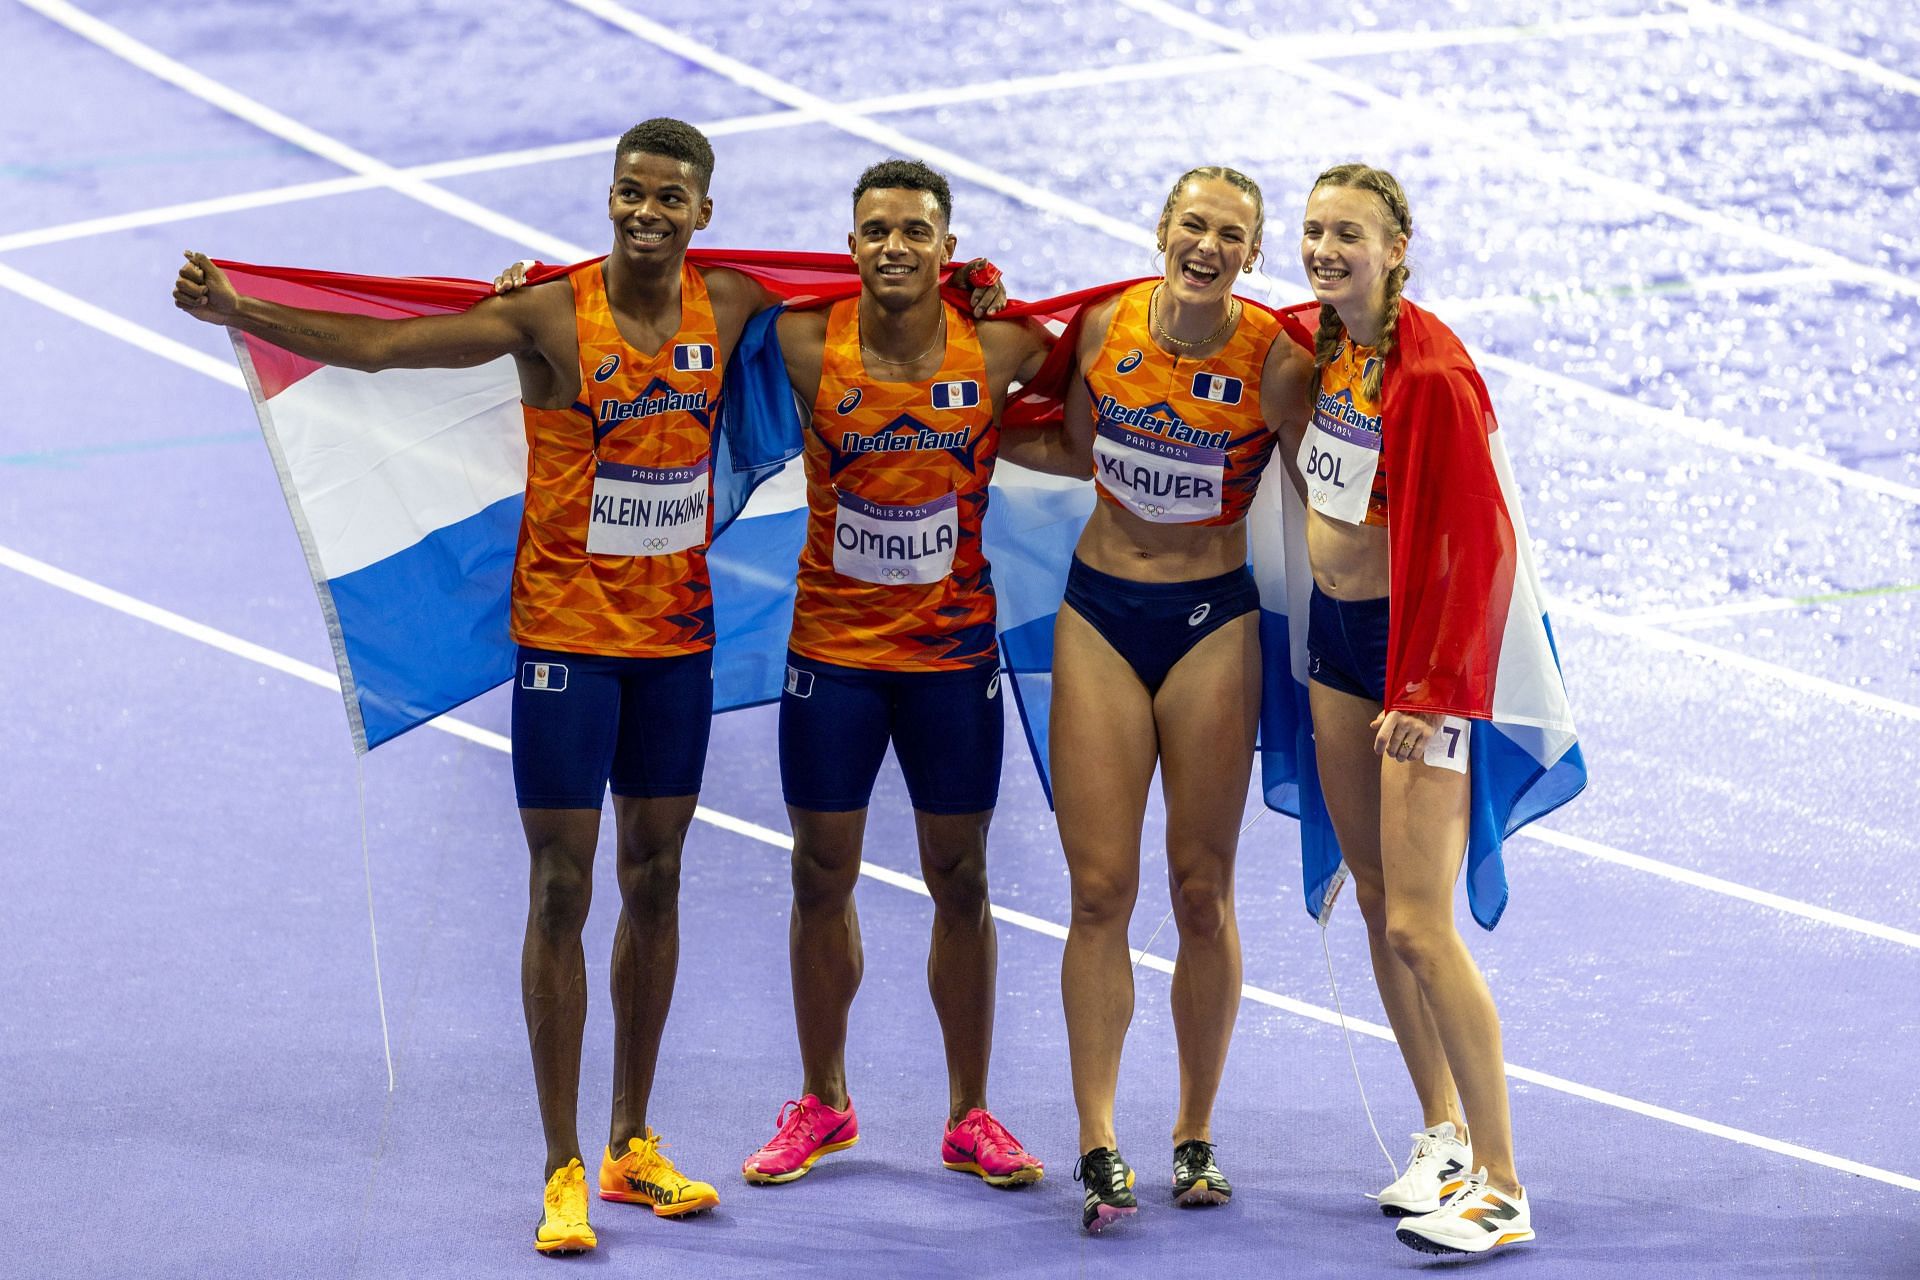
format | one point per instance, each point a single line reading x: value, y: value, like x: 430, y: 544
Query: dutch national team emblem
x: 608, y: 367
x: 1216, y: 387
x: 1129, y: 362
x: 547, y: 677
x: 963, y: 394
x: 848, y: 402
x: 693, y: 357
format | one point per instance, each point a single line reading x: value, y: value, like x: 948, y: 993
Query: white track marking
x: 851, y: 122
x: 1700, y: 430
x: 1726, y: 888
x: 93, y: 591
x: 265, y: 118
x: 1706, y: 615
x: 1425, y: 121
x: 1707, y: 13
x: 847, y: 119
x: 1658, y: 639
x: 1573, y: 293
x: 125, y: 330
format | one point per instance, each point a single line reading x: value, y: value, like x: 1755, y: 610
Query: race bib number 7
x: 1447, y: 748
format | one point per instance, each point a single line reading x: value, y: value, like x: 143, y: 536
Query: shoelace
x: 1196, y: 1154
x: 1089, y: 1167
x: 1470, y: 1189
x: 994, y: 1137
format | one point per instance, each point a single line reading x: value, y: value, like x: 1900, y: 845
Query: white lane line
x: 1659, y: 639
x: 125, y: 330
x: 1707, y: 614
x: 851, y: 122
x: 740, y: 73
x: 848, y: 120
x: 1707, y: 13
x: 1725, y: 888
x: 1703, y: 431
x: 265, y: 118
x: 1574, y: 292
x: 1425, y: 120
x: 311, y: 674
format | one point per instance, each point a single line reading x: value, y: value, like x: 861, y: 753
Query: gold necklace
x: 1153, y: 315
x: 939, y: 336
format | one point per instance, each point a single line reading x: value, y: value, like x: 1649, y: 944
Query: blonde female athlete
x: 1179, y: 391
x: 1394, y: 777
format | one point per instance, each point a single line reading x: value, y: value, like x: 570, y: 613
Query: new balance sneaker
x: 1109, y: 1188
x: 1477, y: 1219
x: 1197, y: 1180
x: 645, y: 1176
x: 1435, y: 1171
x: 807, y: 1130
x: 564, y: 1227
x: 980, y: 1144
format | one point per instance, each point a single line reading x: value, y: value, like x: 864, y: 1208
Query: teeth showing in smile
x: 895, y: 270
x: 1199, y: 274
x: 648, y: 237
x: 1329, y: 274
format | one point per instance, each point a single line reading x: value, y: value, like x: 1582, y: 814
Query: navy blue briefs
x: 1154, y: 624
x: 1347, y: 645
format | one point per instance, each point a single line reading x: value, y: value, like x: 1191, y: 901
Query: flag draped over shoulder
x: 406, y: 486
x: 1468, y: 633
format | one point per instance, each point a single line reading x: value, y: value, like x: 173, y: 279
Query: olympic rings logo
x: 655, y: 544
x: 894, y: 575
x: 1152, y: 509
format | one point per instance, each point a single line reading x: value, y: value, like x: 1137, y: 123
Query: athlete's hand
x: 1403, y: 735
x: 203, y: 291
x: 989, y: 293
x: 513, y: 277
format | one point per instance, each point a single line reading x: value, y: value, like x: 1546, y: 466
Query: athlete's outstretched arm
x: 493, y: 328
x: 1015, y: 351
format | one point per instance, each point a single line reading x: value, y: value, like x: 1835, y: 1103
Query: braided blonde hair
x: 1233, y: 178
x: 1326, y: 342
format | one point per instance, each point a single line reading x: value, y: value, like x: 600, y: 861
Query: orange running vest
x: 893, y: 576
x: 612, y: 557
x: 1179, y: 441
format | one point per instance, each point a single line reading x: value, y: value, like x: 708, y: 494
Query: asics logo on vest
x: 1130, y: 361
x: 848, y: 402
x: 608, y: 367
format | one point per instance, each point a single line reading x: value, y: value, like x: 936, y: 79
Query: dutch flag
x: 1217, y: 388
x: 964, y: 394
x: 693, y: 357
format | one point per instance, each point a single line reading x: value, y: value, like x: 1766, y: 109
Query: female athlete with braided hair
x: 1177, y: 393
x: 1392, y: 769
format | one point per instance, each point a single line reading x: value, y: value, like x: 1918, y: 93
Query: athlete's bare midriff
x: 1349, y: 560
x: 1119, y: 543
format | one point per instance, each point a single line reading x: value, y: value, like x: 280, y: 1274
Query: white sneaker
x: 1477, y: 1219
x: 1435, y: 1171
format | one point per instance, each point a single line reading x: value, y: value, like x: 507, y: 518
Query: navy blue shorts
x: 1347, y: 645
x: 581, y: 721
x: 1154, y: 624
x: 946, y: 727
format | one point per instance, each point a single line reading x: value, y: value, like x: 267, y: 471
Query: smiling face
x: 899, y: 242
x: 1210, y: 231
x: 656, y: 203
x: 1348, y: 244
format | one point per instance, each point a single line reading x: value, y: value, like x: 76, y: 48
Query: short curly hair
x: 674, y: 139
x: 907, y: 175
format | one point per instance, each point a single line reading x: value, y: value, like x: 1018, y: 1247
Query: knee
x: 650, y: 878
x: 560, y: 894
x: 1202, y: 904
x: 960, y: 888
x: 1371, y: 897
x: 1103, y: 897
x: 823, y: 878
x: 1421, y: 940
